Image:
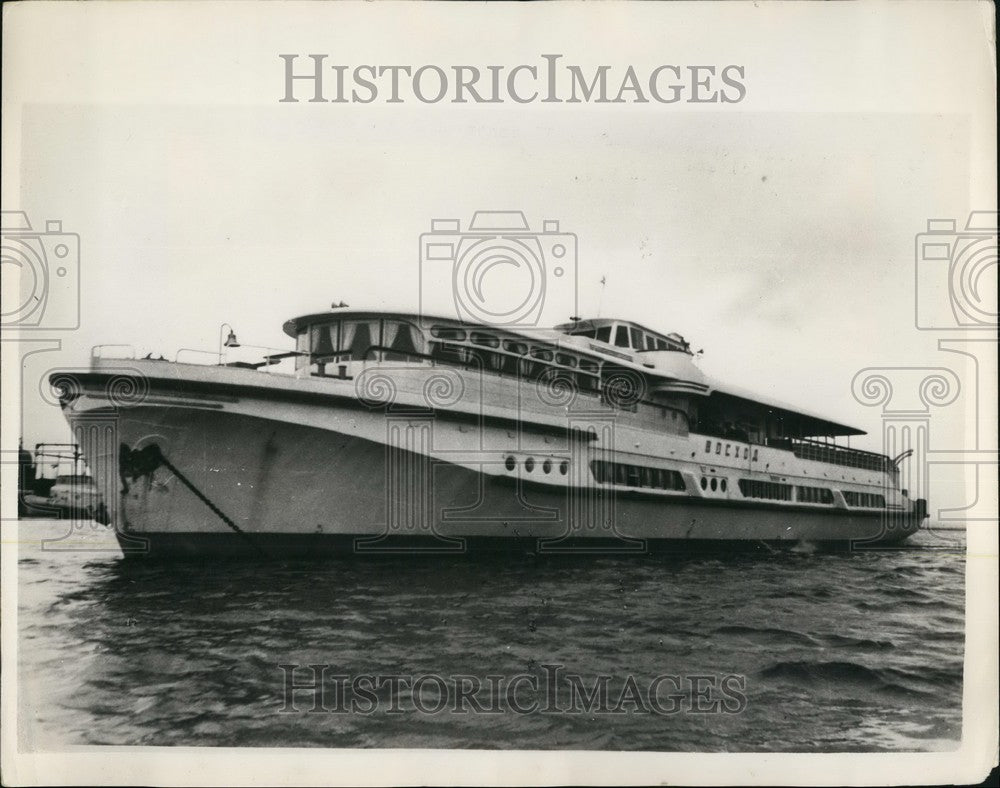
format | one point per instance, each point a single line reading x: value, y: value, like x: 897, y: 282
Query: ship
x: 386, y: 432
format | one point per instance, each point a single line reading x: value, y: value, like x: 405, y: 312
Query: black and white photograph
x: 567, y: 393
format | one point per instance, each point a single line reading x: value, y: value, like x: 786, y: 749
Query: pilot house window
x: 345, y: 340
x: 403, y: 340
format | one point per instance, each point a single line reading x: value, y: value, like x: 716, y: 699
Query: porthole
x: 704, y: 483
x: 564, y: 467
x: 529, y: 464
x: 722, y: 485
x: 715, y: 484
x: 547, y: 466
x: 510, y: 463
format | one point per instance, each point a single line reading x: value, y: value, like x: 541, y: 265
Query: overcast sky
x: 776, y: 234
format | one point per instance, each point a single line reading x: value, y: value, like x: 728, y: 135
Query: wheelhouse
x: 625, y: 334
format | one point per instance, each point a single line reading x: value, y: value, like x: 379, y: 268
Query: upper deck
x: 618, y: 360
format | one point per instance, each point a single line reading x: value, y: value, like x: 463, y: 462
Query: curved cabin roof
x: 560, y: 336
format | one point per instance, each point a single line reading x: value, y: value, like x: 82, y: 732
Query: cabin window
x: 636, y: 335
x: 863, y: 499
x: 661, y: 344
x: 447, y: 332
x: 518, y: 348
x: 634, y: 475
x: 403, y: 340
x: 814, y: 494
x: 482, y: 338
x: 541, y: 354
x: 359, y: 337
x: 527, y: 369
x: 508, y: 365
x: 590, y: 333
x: 565, y: 359
x: 756, y: 488
x: 325, y: 339
x: 650, y: 342
x: 621, y: 336
x: 302, y: 346
x: 604, y: 334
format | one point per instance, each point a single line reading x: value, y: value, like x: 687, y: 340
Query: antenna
x: 600, y: 301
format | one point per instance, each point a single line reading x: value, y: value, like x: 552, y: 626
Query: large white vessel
x: 397, y: 432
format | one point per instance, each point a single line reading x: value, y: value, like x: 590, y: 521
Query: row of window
x: 529, y: 465
x: 714, y: 483
x: 345, y: 340
x: 530, y: 367
x: 869, y: 500
x: 775, y: 491
x: 631, y: 337
x: 660, y: 478
x: 838, y: 455
x: 516, y: 348
x: 636, y: 475
x: 814, y: 494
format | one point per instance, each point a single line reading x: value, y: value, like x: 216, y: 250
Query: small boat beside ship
x: 394, y: 431
x: 53, y: 483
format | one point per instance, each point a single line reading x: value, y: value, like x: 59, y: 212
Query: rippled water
x: 846, y: 652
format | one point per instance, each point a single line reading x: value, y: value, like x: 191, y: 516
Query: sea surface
x: 797, y: 651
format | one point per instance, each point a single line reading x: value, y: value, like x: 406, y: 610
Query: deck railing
x: 807, y: 449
